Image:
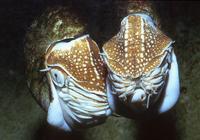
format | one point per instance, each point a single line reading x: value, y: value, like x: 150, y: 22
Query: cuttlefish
x: 142, y: 65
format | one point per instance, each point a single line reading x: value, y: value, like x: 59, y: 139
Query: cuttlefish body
x: 76, y: 75
x: 142, y: 66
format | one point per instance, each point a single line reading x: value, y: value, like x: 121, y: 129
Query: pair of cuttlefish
x: 137, y: 69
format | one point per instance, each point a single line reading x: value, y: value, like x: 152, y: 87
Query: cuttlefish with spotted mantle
x: 142, y: 66
x: 76, y: 75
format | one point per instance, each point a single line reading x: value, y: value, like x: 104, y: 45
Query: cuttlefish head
x: 138, y: 60
x: 76, y: 75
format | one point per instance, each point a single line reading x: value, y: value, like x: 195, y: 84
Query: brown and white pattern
x: 77, y: 77
x: 138, y: 60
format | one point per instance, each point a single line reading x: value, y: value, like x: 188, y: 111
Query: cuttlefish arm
x: 171, y: 92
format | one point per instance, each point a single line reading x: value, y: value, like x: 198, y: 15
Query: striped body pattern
x: 76, y: 74
x: 138, y: 60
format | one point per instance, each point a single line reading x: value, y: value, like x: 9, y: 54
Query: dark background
x: 17, y: 15
x: 21, y: 118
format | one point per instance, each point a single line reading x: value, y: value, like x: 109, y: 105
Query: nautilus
x: 65, y: 72
x: 76, y: 75
x: 142, y: 66
x: 80, y: 85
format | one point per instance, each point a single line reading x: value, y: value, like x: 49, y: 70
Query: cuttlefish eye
x: 57, y: 77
